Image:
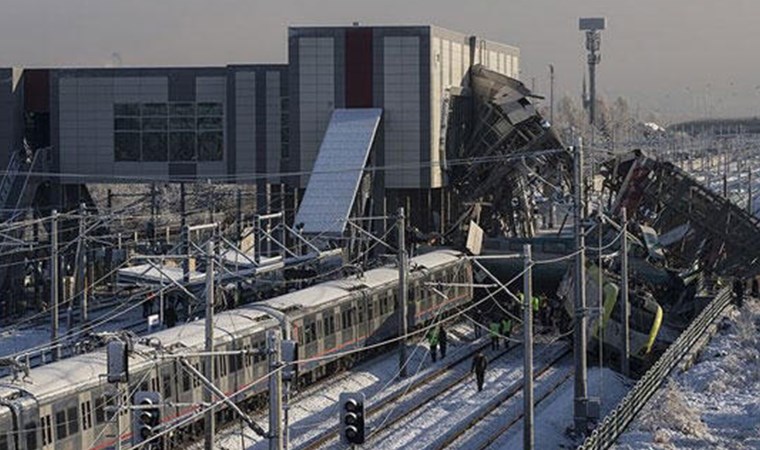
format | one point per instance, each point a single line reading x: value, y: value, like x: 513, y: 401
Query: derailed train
x: 63, y: 405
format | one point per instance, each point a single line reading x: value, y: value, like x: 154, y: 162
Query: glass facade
x: 177, y: 131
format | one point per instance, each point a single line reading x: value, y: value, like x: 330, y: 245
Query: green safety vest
x: 506, y: 326
x: 433, y: 337
x: 536, y: 304
x: 494, y: 329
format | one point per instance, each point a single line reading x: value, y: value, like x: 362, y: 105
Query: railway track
x: 453, y: 411
x: 390, y: 401
x: 479, y: 432
x: 409, y: 403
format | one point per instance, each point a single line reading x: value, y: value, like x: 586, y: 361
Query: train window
x: 370, y: 308
x: 47, y: 431
x: 196, y: 381
x: 328, y: 325
x: 310, y: 332
x: 4, y: 442
x: 260, y: 354
x: 185, y: 380
x: 167, y: 385
x: 347, y: 318
x: 60, y: 425
x: 100, y: 415
x: 73, y: 418
x: 216, y: 368
x: 360, y: 314
x: 86, y: 418
x: 232, y: 363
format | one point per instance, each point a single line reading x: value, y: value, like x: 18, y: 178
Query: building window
x: 154, y: 146
x: 182, y: 146
x: 127, y: 146
x: 177, y: 131
x: 210, y: 146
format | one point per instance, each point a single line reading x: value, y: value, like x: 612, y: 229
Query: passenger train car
x: 607, y: 327
x: 63, y: 405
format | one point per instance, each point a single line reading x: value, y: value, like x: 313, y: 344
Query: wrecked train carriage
x: 507, y: 156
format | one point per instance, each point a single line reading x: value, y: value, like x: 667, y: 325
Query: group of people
x: 499, y: 330
x: 438, y: 339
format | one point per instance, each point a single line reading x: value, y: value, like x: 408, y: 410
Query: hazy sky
x: 675, y: 57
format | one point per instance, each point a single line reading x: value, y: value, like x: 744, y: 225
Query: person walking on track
x: 479, y: 366
x: 506, y: 330
x: 443, y: 341
x: 432, y: 338
x: 494, y: 331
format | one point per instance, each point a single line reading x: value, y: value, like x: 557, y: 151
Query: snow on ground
x: 315, y: 411
x: 554, y: 416
x: 714, y: 404
x: 426, y: 427
x: 17, y: 340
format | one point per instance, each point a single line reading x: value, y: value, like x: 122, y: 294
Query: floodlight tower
x: 592, y: 26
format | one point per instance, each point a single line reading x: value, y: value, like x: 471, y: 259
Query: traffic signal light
x: 146, y: 415
x: 352, y: 418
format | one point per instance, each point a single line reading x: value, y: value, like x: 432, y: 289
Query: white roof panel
x: 335, y: 178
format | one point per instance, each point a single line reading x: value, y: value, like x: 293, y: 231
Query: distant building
x: 406, y: 71
x: 241, y: 123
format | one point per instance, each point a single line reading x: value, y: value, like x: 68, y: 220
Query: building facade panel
x: 245, y: 122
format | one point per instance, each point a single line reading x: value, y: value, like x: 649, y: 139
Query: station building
x: 245, y: 123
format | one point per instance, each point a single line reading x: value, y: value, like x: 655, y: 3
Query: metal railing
x: 616, y: 422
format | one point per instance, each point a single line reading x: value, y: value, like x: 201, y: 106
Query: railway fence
x: 605, y: 435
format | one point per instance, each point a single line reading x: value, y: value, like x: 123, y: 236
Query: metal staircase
x: 17, y: 190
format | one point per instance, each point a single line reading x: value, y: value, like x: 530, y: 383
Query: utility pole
x: 83, y: 264
x: 749, y: 191
x: 208, y: 367
x: 153, y: 208
x: 579, y: 335
x: 275, y: 390
x: 161, y: 307
x: 551, y: 94
x: 592, y: 27
x: 624, y: 296
x: 402, y: 291
x: 184, y: 246
x: 528, y: 352
x: 54, y: 285
x: 239, y: 233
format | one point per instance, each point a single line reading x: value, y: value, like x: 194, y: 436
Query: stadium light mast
x: 592, y: 26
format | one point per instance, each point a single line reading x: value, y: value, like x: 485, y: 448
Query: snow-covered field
x: 716, y: 403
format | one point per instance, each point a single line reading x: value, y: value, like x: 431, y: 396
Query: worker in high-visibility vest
x: 494, y: 332
x: 432, y: 337
x: 536, y: 305
x: 506, y: 330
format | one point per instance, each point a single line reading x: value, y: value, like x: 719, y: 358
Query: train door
x: 66, y: 424
x: 328, y: 329
x: 309, y: 342
x: 87, y: 429
x: 347, y: 322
